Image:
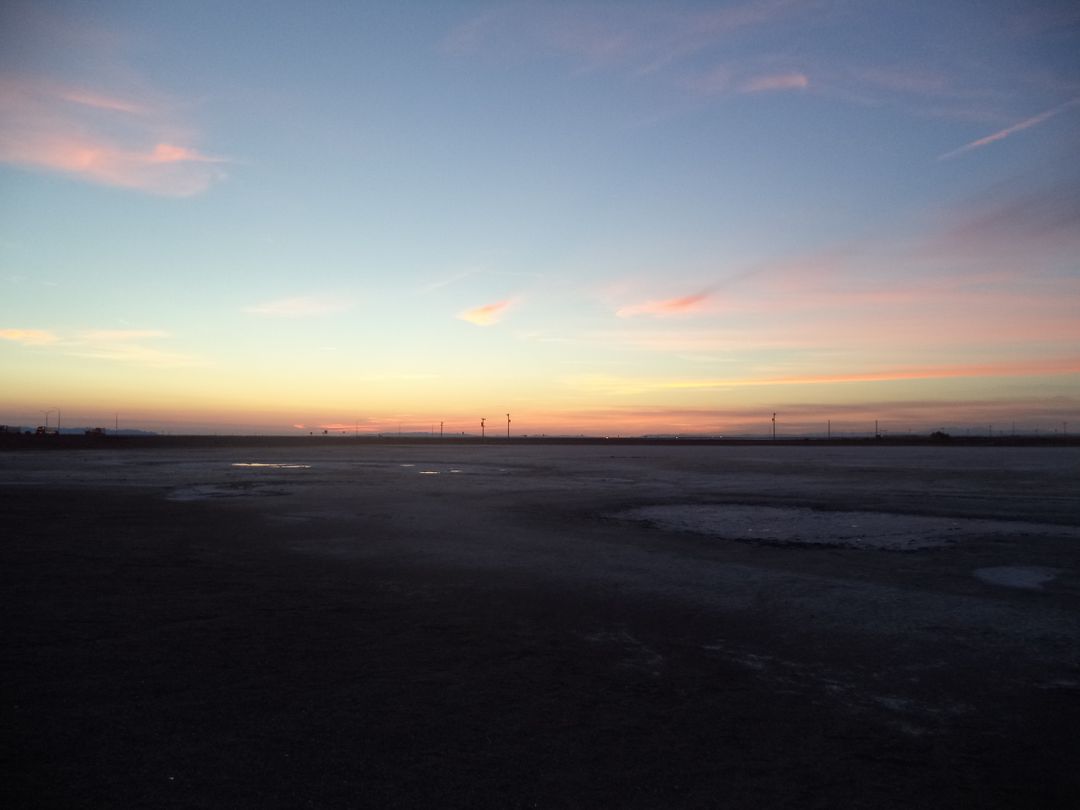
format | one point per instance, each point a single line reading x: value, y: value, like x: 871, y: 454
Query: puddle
x: 203, y: 492
x: 271, y: 465
x: 429, y: 472
x: 1028, y: 577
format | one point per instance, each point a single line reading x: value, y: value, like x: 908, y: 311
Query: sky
x: 602, y: 218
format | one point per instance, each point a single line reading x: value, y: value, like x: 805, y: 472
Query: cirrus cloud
x: 122, y: 345
x: 303, y: 306
x: 1002, y: 134
x: 782, y: 81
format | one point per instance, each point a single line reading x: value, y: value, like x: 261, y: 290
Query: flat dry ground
x: 466, y: 626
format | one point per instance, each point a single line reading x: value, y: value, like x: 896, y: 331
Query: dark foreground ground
x: 374, y: 629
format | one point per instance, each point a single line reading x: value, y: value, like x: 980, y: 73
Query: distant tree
x: 940, y: 436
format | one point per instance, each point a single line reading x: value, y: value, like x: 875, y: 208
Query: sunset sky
x: 603, y: 218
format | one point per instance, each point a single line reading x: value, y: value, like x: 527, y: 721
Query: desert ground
x: 501, y: 625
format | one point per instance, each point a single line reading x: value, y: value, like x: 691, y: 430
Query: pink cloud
x: 487, y: 314
x: 100, y: 138
x: 101, y: 102
x: 781, y: 81
x: 1061, y: 365
x: 1000, y: 135
x: 631, y: 385
x: 672, y: 306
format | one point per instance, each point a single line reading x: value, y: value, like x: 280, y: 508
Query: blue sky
x: 666, y: 217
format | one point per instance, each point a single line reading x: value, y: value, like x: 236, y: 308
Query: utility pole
x: 508, y: 426
x: 440, y: 429
x: 482, y: 420
x: 774, y: 427
x: 828, y: 429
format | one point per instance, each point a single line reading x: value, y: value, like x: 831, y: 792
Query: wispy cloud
x: 713, y: 82
x: 1009, y: 222
x: 446, y: 282
x: 123, y: 345
x: 780, y: 81
x: 624, y: 386
x: 30, y: 337
x: 120, y: 335
x: 137, y: 354
x: 640, y: 39
x: 100, y: 138
x: 685, y: 305
x: 128, y: 346
x: 305, y: 306
x: 1002, y: 134
x: 487, y: 314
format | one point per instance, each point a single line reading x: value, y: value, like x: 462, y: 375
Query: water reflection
x: 272, y: 465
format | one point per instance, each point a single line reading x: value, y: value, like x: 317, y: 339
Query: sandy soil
x: 514, y: 626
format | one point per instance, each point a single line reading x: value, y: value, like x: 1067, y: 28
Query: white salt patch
x: 800, y: 525
x: 1030, y: 577
x: 774, y: 524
